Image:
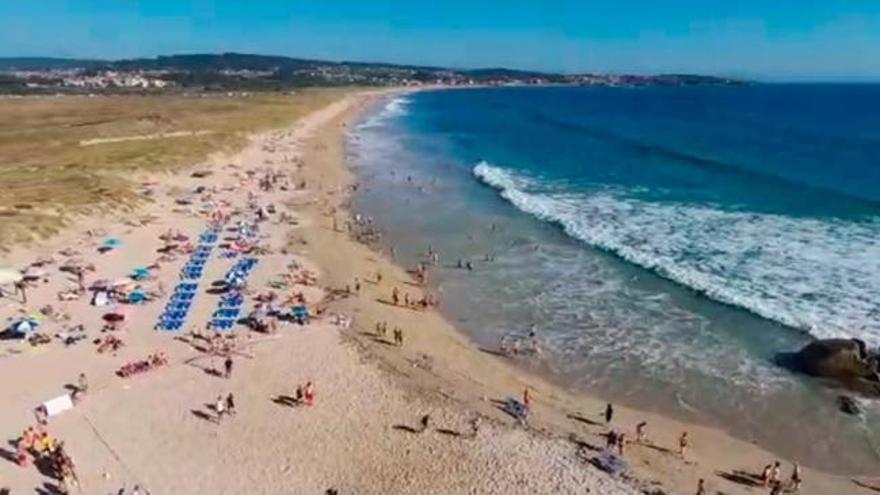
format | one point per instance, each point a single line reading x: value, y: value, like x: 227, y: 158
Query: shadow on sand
x: 741, y: 477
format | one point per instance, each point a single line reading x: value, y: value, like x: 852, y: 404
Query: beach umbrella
x: 10, y: 276
x: 112, y: 243
x: 137, y: 297
x: 24, y: 325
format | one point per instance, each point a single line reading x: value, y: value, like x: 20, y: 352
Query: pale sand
x: 147, y: 429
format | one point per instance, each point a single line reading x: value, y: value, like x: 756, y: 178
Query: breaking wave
x: 818, y: 275
x: 396, y: 107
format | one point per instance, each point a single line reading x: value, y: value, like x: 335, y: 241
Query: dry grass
x: 47, y: 177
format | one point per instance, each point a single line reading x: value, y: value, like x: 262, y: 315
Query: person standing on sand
x: 82, y: 383
x: 611, y: 440
x: 21, y: 288
x: 80, y: 278
x: 309, y: 394
x: 357, y: 285
x: 796, y: 478
x: 641, y: 435
x: 527, y: 399
x: 395, y: 296
x: 683, y: 445
x: 230, y: 404
x: 227, y: 367
x: 775, y: 474
x: 220, y: 407
x: 609, y: 413
x: 621, y: 442
x: 701, y: 487
x: 765, y: 474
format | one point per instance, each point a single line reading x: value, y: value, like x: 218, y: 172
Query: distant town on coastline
x: 245, y: 72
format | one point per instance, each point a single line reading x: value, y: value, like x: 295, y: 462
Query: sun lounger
x: 222, y: 323
x: 169, y: 325
x: 227, y: 313
x: 180, y: 306
x: 183, y: 296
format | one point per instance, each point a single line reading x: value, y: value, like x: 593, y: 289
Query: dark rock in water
x: 848, y: 405
x: 837, y: 358
x: 847, y: 361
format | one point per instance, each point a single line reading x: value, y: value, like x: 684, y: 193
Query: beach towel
x: 610, y: 463
x: 516, y: 409
x: 58, y: 405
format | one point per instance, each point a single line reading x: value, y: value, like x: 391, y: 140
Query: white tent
x: 10, y: 276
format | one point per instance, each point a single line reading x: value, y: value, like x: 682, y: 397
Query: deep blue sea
x: 667, y: 243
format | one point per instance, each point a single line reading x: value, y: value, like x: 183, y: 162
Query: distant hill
x: 253, y: 72
x: 217, y: 62
x: 47, y: 63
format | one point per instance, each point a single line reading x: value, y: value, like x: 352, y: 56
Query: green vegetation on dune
x: 48, y: 176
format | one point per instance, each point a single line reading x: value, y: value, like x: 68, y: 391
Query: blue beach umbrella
x: 137, y: 297
x: 112, y: 243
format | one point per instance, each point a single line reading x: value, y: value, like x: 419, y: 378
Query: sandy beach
x: 426, y: 416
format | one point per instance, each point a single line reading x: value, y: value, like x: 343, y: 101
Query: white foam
x: 819, y: 275
x: 396, y: 107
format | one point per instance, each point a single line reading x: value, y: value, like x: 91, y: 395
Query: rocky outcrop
x: 846, y: 361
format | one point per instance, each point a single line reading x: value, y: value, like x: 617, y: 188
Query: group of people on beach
x: 771, y: 476
x: 224, y: 406
x: 397, y: 333
x: 426, y: 301
x: 35, y: 442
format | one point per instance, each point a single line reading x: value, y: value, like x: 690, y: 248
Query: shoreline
x: 559, y: 403
x: 437, y: 370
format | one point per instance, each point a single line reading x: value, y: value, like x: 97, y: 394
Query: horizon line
x: 764, y: 79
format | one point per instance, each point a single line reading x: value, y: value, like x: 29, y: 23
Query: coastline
x: 458, y: 362
x: 438, y: 370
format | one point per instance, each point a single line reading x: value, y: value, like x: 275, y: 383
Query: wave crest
x: 818, y: 275
x: 396, y: 107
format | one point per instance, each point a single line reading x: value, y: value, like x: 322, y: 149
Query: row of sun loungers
x: 178, y: 306
x: 229, y: 307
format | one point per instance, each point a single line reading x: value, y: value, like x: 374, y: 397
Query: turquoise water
x: 667, y: 243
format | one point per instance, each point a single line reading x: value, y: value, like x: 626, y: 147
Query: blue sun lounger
x: 222, y: 323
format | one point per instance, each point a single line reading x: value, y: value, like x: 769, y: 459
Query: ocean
x: 666, y: 243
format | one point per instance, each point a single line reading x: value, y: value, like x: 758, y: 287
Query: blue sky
x: 771, y: 39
